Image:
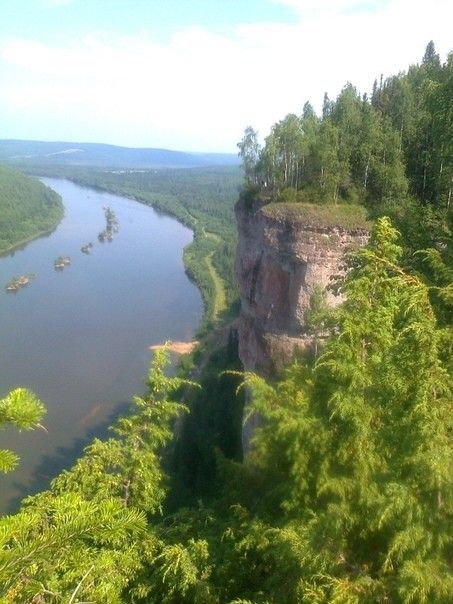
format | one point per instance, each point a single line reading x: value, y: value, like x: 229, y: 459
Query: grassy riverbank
x: 28, y: 209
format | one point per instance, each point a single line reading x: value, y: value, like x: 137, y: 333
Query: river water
x: 79, y: 338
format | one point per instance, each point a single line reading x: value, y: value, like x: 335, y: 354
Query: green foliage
x: 63, y: 548
x: 249, y: 152
x: 27, y: 208
x: 368, y: 151
x: 21, y: 409
x: 88, y: 537
x: 177, y: 574
x: 288, y: 195
x: 318, y: 319
x: 366, y: 434
x: 351, y: 154
x: 426, y: 237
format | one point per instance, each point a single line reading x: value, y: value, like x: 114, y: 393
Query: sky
x: 193, y: 74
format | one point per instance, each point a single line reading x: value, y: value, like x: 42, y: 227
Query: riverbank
x: 202, y: 200
x: 195, y: 255
x: 176, y: 347
x: 28, y: 210
x: 21, y: 244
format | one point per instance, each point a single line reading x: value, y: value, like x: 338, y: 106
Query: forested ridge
x: 346, y: 495
x: 27, y: 208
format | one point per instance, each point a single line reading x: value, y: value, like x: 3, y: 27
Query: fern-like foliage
x: 21, y: 409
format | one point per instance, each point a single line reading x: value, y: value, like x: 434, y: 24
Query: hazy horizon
x: 98, y: 142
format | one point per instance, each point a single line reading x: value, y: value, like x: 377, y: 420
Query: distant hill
x: 109, y: 156
x: 27, y: 208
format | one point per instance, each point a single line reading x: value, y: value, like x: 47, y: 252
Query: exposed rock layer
x: 283, y: 254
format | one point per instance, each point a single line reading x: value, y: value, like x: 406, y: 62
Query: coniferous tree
x: 87, y: 538
x: 366, y: 433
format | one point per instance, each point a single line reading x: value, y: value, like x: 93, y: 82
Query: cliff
x: 284, y: 252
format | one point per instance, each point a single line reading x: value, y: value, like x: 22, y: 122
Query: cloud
x: 199, y: 89
x: 57, y: 3
x: 307, y: 7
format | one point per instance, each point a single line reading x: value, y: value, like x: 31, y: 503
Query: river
x: 79, y: 338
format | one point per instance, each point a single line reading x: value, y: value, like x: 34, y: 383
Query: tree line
x: 379, y: 148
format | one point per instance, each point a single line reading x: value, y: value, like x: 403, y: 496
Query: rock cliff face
x: 284, y: 252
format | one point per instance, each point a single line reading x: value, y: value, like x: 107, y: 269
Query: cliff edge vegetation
x: 27, y: 209
x: 345, y: 497
x: 377, y: 149
x: 390, y: 152
x: 317, y: 216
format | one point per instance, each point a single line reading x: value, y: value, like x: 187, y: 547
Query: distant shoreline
x: 24, y: 242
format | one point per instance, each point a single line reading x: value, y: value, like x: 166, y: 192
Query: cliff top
x: 348, y: 217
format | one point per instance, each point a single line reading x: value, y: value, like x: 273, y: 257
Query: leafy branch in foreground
x: 365, y: 436
x: 85, y: 538
x: 21, y: 409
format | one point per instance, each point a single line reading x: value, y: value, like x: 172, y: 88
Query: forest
x: 346, y: 495
x: 27, y: 209
x: 376, y: 150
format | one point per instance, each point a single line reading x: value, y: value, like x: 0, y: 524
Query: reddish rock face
x: 280, y: 261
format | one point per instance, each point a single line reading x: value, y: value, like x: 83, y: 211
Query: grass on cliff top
x: 351, y: 217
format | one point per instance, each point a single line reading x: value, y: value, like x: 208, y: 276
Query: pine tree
x: 88, y: 537
x: 431, y: 57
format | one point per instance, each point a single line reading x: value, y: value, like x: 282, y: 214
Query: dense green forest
x: 346, y: 495
x: 391, y: 151
x: 377, y: 149
x: 27, y: 208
